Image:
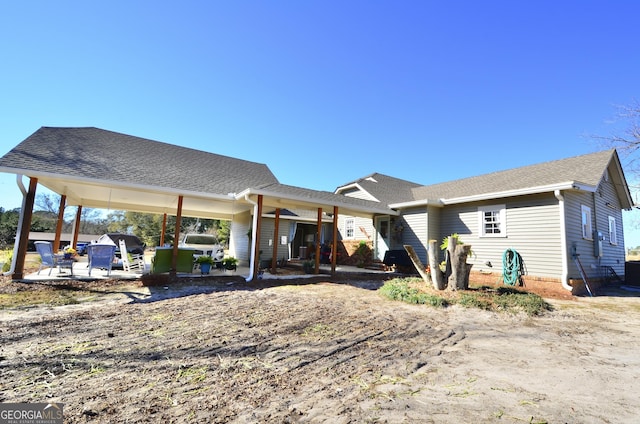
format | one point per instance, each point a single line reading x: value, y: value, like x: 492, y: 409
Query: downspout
x: 23, y: 190
x: 252, y: 258
x: 563, y: 243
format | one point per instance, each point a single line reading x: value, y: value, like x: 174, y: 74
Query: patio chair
x: 131, y: 262
x: 101, y: 256
x: 47, y: 257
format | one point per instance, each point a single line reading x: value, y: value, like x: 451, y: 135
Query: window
x: 613, y: 235
x: 349, y: 227
x: 492, y: 221
x: 587, y: 233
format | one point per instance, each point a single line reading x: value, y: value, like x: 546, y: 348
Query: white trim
x: 587, y: 227
x: 357, y: 186
x: 353, y: 228
x: 567, y: 185
x: 502, y: 220
x: 613, y: 231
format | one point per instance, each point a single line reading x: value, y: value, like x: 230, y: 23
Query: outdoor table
x: 64, y: 263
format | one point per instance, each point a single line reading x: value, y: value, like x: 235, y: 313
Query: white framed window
x: 349, y: 228
x: 587, y: 232
x: 613, y: 234
x: 492, y: 221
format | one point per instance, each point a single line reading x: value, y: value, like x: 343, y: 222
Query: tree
x: 8, y: 227
x: 628, y: 142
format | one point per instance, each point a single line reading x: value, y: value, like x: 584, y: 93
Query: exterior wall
x: 363, y: 228
x: 267, y: 240
x: 532, y: 229
x: 613, y: 255
x: 416, y: 230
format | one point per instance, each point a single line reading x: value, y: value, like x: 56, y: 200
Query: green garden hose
x: 512, y: 267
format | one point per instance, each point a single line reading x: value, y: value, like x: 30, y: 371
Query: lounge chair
x: 101, y: 256
x: 47, y: 257
x: 131, y: 262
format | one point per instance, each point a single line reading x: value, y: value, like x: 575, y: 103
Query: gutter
x: 563, y: 243
x: 252, y: 258
x: 23, y: 190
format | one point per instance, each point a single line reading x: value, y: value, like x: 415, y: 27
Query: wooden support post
x: 176, y: 238
x: 76, y: 227
x: 274, y: 254
x: 164, y: 229
x: 59, y: 222
x: 256, y: 247
x: 318, y: 234
x: 25, y: 225
x: 334, y: 242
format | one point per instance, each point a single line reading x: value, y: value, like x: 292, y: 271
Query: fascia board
x: 416, y: 203
x: 43, y: 176
x: 306, y: 200
x: 568, y: 185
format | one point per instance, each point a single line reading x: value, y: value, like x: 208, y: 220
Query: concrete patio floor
x: 81, y: 272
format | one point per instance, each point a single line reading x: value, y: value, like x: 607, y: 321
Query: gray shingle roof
x: 326, y: 197
x: 586, y: 169
x: 386, y: 189
x: 95, y: 153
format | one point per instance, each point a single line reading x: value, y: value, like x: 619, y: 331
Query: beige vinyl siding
x: 433, y: 219
x: 266, y: 235
x: 531, y: 227
x: 415, y: 231
x: 574, y: 200
x: 363, y: 228
x: 358, y: 194
x: 612, y: 254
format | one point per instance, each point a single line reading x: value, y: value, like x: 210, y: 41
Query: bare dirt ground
x: 318, y: 351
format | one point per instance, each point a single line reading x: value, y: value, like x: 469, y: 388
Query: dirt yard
x: 319, y: 352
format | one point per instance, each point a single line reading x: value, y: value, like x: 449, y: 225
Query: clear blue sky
x: 325, y: 92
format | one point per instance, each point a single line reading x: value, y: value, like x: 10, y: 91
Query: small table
x: 64, y: 263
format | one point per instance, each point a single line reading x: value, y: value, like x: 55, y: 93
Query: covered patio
x: 95, y: 168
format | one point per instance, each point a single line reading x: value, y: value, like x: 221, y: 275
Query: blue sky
x: 325, y: 92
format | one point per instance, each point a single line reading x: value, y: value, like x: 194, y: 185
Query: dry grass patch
x: 508, y: 299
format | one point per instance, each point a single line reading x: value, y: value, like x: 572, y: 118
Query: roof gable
x: 379, y: 187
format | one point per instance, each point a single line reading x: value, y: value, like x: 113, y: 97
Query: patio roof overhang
x: 115, y: 195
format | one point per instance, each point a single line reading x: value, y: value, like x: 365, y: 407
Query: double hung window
x: 492, y: 221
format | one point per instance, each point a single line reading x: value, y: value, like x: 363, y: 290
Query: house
x: 551, y: 214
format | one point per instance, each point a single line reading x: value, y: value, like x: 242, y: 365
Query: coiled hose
x: 512, y: 267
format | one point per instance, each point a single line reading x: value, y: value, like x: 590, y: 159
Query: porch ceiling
x: 138, y: 198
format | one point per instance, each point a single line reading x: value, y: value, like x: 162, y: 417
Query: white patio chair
x: 131, y: 262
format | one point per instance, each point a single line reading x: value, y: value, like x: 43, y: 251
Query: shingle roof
x: 386, y: 189
x: 95, y: 153
x: 586, y: 169
x: 318, y: 196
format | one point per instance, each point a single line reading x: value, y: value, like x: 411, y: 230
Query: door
x: 382, y: 237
